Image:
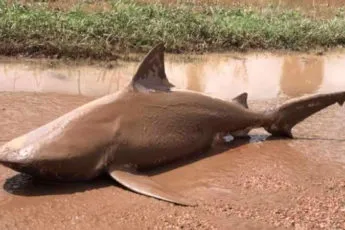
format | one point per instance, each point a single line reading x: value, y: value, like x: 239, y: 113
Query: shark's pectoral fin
x: 142, y: 184
x: 150, y: 75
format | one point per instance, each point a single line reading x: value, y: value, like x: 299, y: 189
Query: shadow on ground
x: 26, y: 185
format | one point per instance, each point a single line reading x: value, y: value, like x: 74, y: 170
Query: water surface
x: 262, y: 75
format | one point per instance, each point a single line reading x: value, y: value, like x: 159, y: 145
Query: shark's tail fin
x: 286, y: 116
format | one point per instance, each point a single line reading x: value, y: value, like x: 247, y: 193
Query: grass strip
x: 129, y: 26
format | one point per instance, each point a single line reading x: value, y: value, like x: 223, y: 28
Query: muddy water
x: 249, y: 184
x: 263, y: 76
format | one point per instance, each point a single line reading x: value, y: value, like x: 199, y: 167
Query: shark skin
x: 144, y: 125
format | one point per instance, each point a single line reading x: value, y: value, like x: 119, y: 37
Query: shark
x: 148, y: 123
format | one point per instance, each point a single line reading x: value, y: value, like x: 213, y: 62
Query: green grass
x: 130, y: 26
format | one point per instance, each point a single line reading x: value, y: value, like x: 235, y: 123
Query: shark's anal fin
x: 150, y: 75
x: 142, y: 184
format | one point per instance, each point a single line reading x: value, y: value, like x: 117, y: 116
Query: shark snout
x: 19, y: 160
x: 14, y: 157
x: 6, y: 161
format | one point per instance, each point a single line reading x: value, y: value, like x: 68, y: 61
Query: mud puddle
x: 263, y: 76
x: 259, y: 183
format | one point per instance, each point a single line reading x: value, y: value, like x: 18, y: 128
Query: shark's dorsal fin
x: 241, y: 99
x: 150, y: 75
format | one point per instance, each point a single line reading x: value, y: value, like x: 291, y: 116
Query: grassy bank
x: 131, y: 26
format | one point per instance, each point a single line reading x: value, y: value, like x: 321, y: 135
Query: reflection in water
x: 221, y: 75
x: 241, y: 71
x: 226, y: 77
x: 194, y: 80
x: 301, y: 76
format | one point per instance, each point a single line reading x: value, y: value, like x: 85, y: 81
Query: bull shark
x: 146, y: 124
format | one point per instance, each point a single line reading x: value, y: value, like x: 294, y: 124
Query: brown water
x: 262, y: 75
x: 248, y: 184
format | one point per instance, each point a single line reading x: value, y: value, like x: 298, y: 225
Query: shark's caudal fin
x: 286, y: 116
x: 150, y: 75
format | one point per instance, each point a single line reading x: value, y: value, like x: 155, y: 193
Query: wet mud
x: 256, y: 183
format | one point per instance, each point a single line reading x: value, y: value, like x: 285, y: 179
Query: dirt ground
x: 271, y: 184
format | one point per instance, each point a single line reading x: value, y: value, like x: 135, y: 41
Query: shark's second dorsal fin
x: 242, y: 99
x: 150, y: 75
